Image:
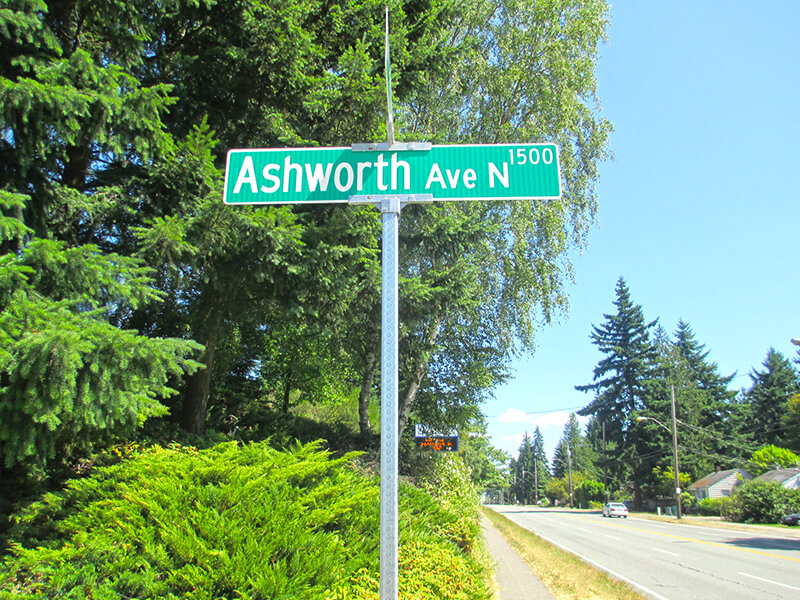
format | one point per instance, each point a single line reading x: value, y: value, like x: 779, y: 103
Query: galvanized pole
x: 390, y: 212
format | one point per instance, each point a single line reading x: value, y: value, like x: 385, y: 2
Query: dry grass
x: 565, y: 575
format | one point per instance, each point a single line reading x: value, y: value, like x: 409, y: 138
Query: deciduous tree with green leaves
x: 772, y: 457
x: 517, y: 72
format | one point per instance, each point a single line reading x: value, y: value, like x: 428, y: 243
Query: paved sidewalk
x: 515, y: 580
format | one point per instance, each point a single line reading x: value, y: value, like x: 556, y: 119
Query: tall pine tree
x: 71, y: 106
x: 523, y: 472
x: 769, y: 396
x: 541, y: 469
x: 709, y: 417
x: 620, y: 384
x: 575, y: 449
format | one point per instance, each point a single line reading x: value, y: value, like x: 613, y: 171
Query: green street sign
x: 312, y: 175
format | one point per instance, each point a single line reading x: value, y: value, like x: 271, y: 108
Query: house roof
x: 718, y: 476
x: 779, y: 475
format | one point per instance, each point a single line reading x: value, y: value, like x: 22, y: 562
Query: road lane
x: 673, y: 561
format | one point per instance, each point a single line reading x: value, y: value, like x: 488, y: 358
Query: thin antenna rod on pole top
x: 389, y: 108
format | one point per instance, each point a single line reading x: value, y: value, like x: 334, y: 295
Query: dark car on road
x: 792, y: 519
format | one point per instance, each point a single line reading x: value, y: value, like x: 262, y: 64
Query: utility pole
x: 569, y: 468
x: 675, y: 453
x: 605, y: 463
x: 536, y: 478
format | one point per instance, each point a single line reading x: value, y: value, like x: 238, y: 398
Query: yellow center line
x: 687, y: 539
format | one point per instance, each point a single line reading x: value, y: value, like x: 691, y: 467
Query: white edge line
x: 614, y: 574
x: 790, y: 587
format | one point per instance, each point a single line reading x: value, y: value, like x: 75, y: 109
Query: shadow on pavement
x: 765, y: 543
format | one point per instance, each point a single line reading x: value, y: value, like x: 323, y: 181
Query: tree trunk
x: 367, y: 378
x: 198, y: 388
x: 287, y: 391
x: 407, y: 402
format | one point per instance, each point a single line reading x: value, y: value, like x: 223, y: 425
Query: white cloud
x: 557, y: 418
x: 513, y: 415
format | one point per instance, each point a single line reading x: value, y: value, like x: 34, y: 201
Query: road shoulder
x: 515, y: 580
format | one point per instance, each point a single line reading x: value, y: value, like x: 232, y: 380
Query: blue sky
x: 700, y: 207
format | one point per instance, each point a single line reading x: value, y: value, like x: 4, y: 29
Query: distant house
x: 788, y: 478
x: 718, y: 484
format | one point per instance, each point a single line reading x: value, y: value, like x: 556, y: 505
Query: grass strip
x: 564, y: 574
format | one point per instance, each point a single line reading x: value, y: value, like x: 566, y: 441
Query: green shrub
x: 761, y: 502
x: 441, y: 546
x: 232, y: 521
x: 712, y: 507
x: 589, y: 491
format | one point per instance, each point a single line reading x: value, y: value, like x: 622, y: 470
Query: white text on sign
x: 292, y: 176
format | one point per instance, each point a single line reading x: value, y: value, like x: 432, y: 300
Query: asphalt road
x: 670, y: 561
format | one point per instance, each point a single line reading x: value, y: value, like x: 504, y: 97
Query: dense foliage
x: 114, y: 122
x: 771, y: 457
x: 242, y: 521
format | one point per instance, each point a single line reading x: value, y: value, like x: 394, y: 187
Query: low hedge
x: 712, y: 507
x: 246, y: 522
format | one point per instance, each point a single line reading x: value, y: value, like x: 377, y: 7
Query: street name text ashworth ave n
x: 278, y: 176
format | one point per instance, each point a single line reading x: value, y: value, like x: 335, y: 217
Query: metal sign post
x: 390, y: 207
x: 390, y: 214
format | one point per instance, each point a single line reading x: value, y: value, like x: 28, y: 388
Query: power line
x: 539, y: 412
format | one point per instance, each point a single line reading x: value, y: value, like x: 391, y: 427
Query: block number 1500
x: 534, y: 156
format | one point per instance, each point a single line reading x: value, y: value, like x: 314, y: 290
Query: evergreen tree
x: 792, y: 417
x: 573, y: 448
x: 709, y: 418
x: 620, y: 384
x: 541, y: 468
x: 70, y: 378
x: 716, y: 419
x: 768, y: 397
x: 530, y: 470
x: 791, y: 423
x: 704, y: 372
x: 522, y: 469
x: 71, y: 106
